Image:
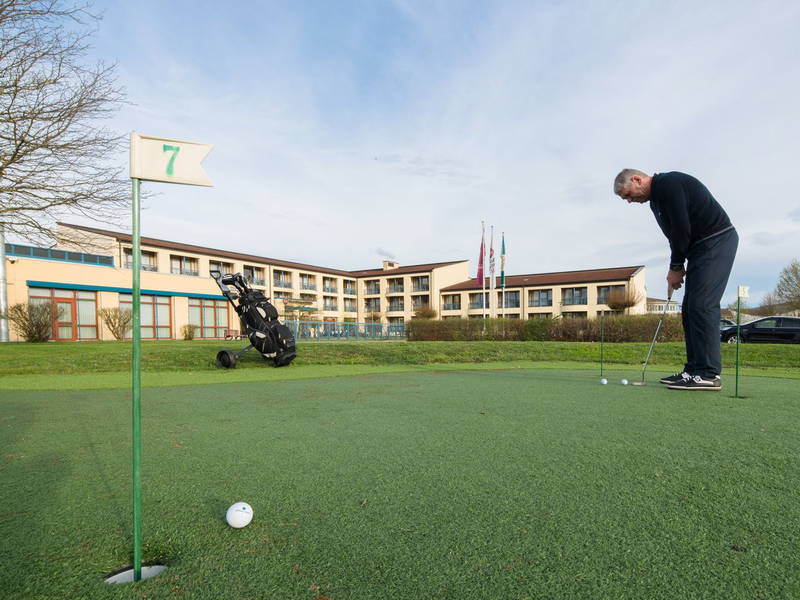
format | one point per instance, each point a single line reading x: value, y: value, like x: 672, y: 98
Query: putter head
x: 638, y: 383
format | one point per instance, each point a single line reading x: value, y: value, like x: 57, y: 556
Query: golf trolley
x: 260, y: 323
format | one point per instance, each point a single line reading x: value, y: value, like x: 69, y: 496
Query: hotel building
x: 177, y: 289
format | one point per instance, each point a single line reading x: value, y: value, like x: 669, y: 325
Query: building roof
x: 403, y: 270
x: 559, y: 278
x: 126, y: 237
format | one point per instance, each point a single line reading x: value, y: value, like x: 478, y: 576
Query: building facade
x: 177, y: 288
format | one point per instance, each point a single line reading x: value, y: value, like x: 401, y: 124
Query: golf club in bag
x: 259, y: 317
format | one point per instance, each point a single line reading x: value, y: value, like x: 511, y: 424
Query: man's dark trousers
x: 708, y: 267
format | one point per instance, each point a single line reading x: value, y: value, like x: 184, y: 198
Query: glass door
x: 65, y: 319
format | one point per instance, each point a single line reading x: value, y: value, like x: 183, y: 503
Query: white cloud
x: 520, y: 115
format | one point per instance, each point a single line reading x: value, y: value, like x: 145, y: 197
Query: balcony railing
x: 145, y: 267
x: 373, y: 289
x: 474, y: 305
x: 350, y: 309
x: 422, y: 288
x: 396, y: 307
x: 283, y: 283
x: 451, y: 307
x: 514, y: 304
x: 394, y: 289
x: 308, y: 286
x: 329, y: 289
x: 372, y: 307
x: 177, y: 271
x: 350, y: 291
x: 575, y: 302
x: 329, y: 307
x: 538, y: 303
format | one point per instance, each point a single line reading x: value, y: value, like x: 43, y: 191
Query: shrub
x: 118, y: 320
x: 188, y: 331
x: 425, y: 312
x: 622, y: 299
x: 616, y: 328
x: 34, y: 322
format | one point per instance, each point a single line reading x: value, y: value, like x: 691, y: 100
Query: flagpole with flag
x: 492, y: 281
x: 503, y: 270
x: 480, y: 268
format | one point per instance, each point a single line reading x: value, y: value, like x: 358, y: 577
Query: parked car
x: 769, y: 330
x: 723, y: 323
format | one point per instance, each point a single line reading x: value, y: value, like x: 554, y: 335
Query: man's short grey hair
x: 624, y: 177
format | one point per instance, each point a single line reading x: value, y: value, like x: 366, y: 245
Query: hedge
x: 616, y: 328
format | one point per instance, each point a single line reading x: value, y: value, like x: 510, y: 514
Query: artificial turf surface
x: 482, y: 484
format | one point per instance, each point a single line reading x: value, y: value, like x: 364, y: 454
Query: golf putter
x: 653, y: 343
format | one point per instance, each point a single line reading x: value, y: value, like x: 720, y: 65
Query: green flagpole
x: 738, y: 337
x: 136, y: 385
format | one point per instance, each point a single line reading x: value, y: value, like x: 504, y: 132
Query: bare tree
x: 622, y: 299
x: 56, y: 158
x: 788, y: 288
x: 769, y: 305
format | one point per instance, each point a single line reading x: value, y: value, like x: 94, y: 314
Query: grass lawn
x: 507, y: 484
x: 95, y: 365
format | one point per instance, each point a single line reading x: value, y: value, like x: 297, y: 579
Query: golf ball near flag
x: 603, y: 381
x: 239, y: 515
x: 624, y: 382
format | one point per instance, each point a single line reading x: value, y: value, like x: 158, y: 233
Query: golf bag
x: 260, y: 323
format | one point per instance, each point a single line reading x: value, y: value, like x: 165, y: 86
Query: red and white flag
x: 483, y: 252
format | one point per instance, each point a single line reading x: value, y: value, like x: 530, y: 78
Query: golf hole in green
x: 126, y: 574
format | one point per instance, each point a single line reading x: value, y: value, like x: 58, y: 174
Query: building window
x: 308, y: 282
x: 148, y: 260
x: 540, y: 298
x: 512, y: 300
x: 475, y: 300
x: 156, y: 315
x: 574, y: 315
x: 542, y: 315
x: 451, y: 302
x: 349, y: 288
x: 183, y: 265
x: 74, y: 312
x: 372, y: 304
x: 225, y: 268
x: 603, y: 292
x: 350, y: 305
x: 573, y: 296
x: 420, y: 284
x: 418, y: 302
x: 282, y: 279
x: 329, y: 285
x: 395, y: 286
x: 373, y: 286
x: 211, y: 316
x: 329, y: 303
x: 396, y: 304
x: 255, y: 275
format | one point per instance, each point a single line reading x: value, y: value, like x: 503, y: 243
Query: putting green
x: 522, y: 483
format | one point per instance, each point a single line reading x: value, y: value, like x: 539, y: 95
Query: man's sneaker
x: 673, y: 378
x: 696, y: 382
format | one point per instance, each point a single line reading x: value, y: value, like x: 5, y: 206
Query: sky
x: 350, y: 132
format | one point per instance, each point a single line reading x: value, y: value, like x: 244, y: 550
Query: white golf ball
x: 239, y: 515
x: 624, y: 382
x: 604, y: 381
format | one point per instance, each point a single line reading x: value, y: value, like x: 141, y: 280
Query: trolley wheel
x: 226, y: 359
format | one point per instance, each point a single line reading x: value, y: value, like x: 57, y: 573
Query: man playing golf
x: 700, y: 235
